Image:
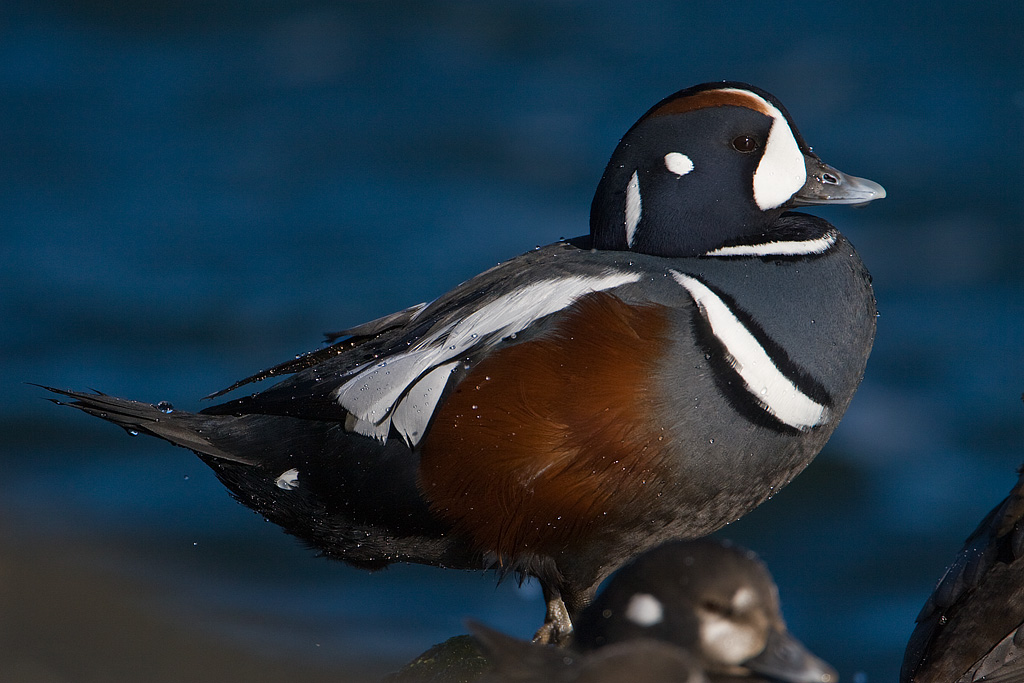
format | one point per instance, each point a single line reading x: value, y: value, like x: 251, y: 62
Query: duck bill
x: 826, y: 185
x: 786, y: 659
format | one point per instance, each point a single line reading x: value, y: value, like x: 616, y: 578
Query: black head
x: 714, y: 600
x: 712, y: 165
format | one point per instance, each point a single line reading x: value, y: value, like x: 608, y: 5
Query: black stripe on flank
x: 732, y: 384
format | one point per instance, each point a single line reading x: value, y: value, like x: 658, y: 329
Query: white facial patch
x: 634, y: 208
x: 726, y: 641
x: 378, y: 391
x: 645, y: 610
x: 782, y: 171
x: 288, y: 480
x: 775, y: 393
x: 677, y: 163
x: 818, y: 245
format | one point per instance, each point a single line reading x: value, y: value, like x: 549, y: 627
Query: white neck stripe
x: 634, y: 207
x: 818, y: 245
x: 775, y: 392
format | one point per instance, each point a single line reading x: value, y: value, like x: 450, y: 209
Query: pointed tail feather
x: 180, y: 428
x: 349, y: 496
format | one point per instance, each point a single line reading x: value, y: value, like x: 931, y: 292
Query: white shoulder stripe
x: 772, y: 390
x: 780, y: 248
x: 373, y: 394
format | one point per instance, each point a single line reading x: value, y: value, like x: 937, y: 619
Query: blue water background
x: 190, y: 192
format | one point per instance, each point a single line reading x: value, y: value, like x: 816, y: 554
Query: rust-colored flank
x: 711, y: 98
x: 552, y: 437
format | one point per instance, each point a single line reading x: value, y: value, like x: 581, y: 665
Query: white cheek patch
x: 634, y: 207
x: 726, y: 641
x: 288, y: 480
x: 818, y: 245
x: 645, y: 610
x: 782, y: 170
x: 405, y: 387
x: 773, y: 391
x: 678, y: 163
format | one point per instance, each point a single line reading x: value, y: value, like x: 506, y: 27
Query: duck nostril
x: 829, y: 178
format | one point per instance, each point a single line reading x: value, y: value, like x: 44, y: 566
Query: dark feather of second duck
x: 971, y: 628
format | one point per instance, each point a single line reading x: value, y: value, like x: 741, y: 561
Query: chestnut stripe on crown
x: 713, y: 98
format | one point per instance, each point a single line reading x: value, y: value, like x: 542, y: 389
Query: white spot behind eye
x: 288, y: 480
x: 678, y: 163
x: 772, y: 390
x: 743, y: 599
x: 634, y: 207
x: 645, y: 610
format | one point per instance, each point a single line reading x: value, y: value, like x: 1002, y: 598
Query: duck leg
x: 557, y: 628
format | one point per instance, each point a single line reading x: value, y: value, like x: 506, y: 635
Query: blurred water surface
x: 190, y: 192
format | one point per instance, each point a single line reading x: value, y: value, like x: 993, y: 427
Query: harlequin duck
x: 972, y: 626
x: 700, y: 605
x: 569, y: 408
x: 714, y: 599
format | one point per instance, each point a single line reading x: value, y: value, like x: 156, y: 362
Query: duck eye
x: 745, y: 144
x: 716, y: 608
